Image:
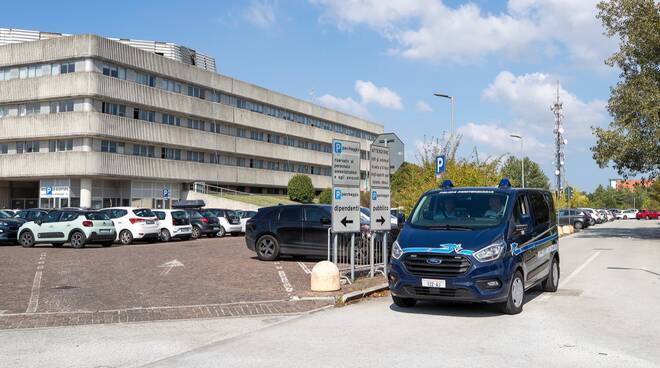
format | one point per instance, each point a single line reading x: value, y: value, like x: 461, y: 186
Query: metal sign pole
x: 385, y: 255
x: 372, y: 269
x: 352, y: 257
x: 334, y: 257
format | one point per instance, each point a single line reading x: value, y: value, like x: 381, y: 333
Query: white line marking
x: 169, y: 265
x: 33, y: 304
x: 285, y: 282
x: 304, y: 268
x: 565, y: 281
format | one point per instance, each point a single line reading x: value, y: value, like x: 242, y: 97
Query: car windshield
x: 208, y: 214
x: 460, y: 210
x: 144, y: 212
x: 4, y: 215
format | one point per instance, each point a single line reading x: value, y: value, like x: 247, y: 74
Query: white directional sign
x: 345, y: 163
x: 345, y: 186
x: 379, y: 174
x: 345, y: 210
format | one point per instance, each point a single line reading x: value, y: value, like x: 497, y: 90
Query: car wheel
x: 625, y: 217
x: 27, y: 239
x: 577, y: 225
x: 267, y: 248
x: 58, y: 245
x: 222, y: 232
x: 514, y: 302
x: 551, y: 283
x: 165, y: 235
x: 78, y: 239
x: 648, y: 217
x: 106, y: 244
x: 125, y: 237
x: 404, y: 302
x: 196, y: 232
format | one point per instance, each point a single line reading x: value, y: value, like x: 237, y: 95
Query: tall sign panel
x: 379, y: 174
x: 345, y: 186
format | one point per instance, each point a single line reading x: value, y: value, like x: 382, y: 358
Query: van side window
x: 540, y: 208
x: 519, y: 209
x: 293, y: 214
x: 552, y: 213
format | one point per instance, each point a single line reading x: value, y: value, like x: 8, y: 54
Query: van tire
x: 551, y: 283
x: 404, y: 302
x: 514, y: 303
x: 578, y: 225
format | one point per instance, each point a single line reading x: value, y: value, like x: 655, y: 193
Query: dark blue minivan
x: 476, y: 245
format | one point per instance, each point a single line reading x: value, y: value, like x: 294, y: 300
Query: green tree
x: 325, y: 197
x: 534, y: 176
x: 300, y: 189
x: 631, y: 140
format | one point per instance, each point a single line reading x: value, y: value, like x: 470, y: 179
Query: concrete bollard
x: 325, y: 277
x: 567, y: 229
x: 560, y: 230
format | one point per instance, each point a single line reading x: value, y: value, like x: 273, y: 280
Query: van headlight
x: 396, y: 250
x: 491, y: 252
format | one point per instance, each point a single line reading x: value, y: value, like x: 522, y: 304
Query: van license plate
x: 432, y: 283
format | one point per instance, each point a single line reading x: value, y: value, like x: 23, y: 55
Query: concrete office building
x: 94, y: 122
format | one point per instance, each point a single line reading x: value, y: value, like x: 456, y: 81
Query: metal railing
x: 359, y: 254
x: 205, y: 188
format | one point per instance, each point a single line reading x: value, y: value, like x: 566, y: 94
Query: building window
x: 60, y: 145
x: 170, y: 154
x: 196, y: 124
x: 112, y: 147
x: 27, y: 147
x: 142, y: 150
x: 4, y: 148
x: 61, y: 106
x: 144, y: 115
x: 195, y: 92
x: 67, y: 68
x: 170, y: 119
x: 4, y: 111
x: 113, y: 109
x: 195, y: 156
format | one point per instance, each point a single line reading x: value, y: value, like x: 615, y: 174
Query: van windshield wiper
x: 449, y: 227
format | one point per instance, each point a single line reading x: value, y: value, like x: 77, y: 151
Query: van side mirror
x: 325, y: 221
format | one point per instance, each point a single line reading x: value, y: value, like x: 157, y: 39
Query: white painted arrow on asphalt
x: 168, y: 266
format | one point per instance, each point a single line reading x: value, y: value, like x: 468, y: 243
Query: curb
x: 359, y: 294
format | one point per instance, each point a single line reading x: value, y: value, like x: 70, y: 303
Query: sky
x: 383, y: 60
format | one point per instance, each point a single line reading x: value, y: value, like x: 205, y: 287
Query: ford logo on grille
x: 434, y: 261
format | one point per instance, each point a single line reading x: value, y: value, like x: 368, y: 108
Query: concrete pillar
x: 85, y: 193
x: 87, y: 144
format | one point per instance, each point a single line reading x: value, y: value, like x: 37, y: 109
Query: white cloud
x: 422, y: 106
x: 261, y: 13
x: 498, y: 139
x: 429, y: 30
x: 382, y: 96
x: 347, y: 105
x: 369, y: 93
x: 529, y: 97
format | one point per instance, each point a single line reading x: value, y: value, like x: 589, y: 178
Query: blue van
x: 476, y: 245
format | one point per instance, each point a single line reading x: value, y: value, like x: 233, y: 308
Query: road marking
x: 565, y: 281
x: 285, y: 280
x: 33, y: 304
x: 168, y: 266
x: 304, y: 268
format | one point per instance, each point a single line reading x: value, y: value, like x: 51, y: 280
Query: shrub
x: 326, y: 196
x: 300, y: 189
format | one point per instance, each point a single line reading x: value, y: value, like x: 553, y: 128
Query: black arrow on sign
x: 344, y: 221
x: 381, y: 220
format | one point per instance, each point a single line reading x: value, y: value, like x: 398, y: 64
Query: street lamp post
x: 451, y: 100
x: 522, y: 155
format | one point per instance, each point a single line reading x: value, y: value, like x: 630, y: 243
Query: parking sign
x: 379, y: 174
x: 439, y: 165
x: 345, y: 186
x: 166, y: 193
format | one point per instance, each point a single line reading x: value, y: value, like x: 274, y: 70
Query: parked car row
x: 79, y: 226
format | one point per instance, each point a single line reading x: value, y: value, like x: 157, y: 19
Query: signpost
x: 345, y: 194
x: 166, y: 193
x: 379, y: 203
x: 439, y: 165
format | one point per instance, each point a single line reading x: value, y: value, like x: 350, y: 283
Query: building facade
x: 93, y: 122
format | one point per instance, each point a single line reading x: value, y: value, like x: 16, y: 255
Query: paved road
x: 606, y: 314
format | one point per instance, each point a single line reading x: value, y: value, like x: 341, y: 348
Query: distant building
x: 629, y: 184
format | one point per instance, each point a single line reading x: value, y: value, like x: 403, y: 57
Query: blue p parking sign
x: 166, y: 193
x: 337, y: 194
x: 374, y: 195
x: 439, y: 165
x: 337, y: 147
x: 49, y: 190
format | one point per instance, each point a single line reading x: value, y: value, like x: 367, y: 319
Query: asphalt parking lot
x: 46, y: 286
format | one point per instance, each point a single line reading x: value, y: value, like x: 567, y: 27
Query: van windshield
x: 460, y: 210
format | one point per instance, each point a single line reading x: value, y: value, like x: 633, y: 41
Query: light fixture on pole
x: 522, y: 156
x: 451, y: 99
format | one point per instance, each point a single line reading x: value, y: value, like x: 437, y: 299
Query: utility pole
x: 451, y: 100
x: 557, y: 108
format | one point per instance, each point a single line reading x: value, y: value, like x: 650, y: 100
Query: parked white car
x: 133, y: 224
x: 173, y: 224
x: 627, y: 214
x: 229, y: 221
x: 245, y: 216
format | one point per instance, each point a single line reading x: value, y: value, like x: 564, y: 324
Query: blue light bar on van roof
x: 504, y: 184
x: 446, y: 184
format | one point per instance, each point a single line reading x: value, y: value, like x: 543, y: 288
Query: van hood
x: 472, y: 240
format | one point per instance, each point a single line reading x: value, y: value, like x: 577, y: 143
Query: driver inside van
x: 447, y: 211
x: 495, y: 207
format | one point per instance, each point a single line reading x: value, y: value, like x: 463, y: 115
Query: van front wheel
x: 404, y: 302
x: 514, y: 302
